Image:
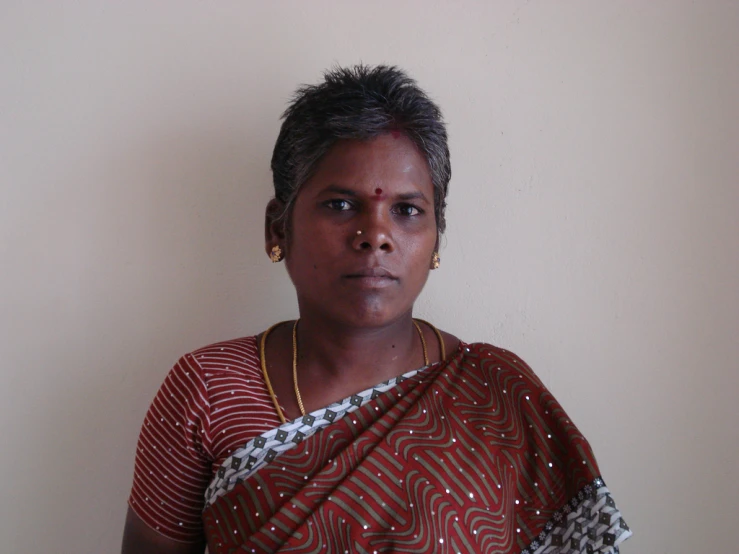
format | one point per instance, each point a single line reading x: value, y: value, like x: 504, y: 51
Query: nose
x: 375, y: 235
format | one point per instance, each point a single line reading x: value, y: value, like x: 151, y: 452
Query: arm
x: 172, y: 468
x: 138, y: 538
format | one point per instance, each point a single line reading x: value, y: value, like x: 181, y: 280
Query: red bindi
x: 378, y: 191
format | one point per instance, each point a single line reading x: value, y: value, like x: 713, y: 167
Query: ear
x: 274, y: 229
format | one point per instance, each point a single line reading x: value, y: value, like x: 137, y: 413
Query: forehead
x: 387, y: 161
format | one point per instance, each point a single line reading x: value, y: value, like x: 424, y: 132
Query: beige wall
x: 593, y: 226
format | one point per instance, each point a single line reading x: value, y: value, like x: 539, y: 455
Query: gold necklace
x: 263, y: 361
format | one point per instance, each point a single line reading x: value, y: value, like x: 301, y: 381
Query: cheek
x: 312, y: 244
x: 424, y: 242
x: 420, y: 253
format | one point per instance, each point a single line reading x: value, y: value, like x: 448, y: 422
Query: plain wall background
x: 593, y: 227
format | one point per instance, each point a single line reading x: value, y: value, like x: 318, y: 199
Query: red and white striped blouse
x: 212, y: 402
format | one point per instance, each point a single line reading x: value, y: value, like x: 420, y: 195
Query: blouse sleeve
x: 173, y: 458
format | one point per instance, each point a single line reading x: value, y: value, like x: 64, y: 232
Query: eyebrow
x: 417, y: 195
x: 413, y: 196
x: 339, y: 190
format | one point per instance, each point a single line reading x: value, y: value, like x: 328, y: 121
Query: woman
x: 357, y: 428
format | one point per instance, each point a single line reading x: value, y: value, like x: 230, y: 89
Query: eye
x: 407, y: 210
x: 339, y: 205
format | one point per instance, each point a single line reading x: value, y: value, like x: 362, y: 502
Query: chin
x: 373, y: 318
x: 368, y: 311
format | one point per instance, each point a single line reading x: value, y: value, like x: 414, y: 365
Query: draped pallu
x: 469, y: 455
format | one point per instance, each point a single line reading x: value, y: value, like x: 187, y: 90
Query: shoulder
x: 221, y: 362
x: 491, y: 350
x: 502, y: 360
x: 485, y: 350
x: 242, y: 346
x: 240, y: 354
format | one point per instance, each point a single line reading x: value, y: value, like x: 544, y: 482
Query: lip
x: 374, y: 277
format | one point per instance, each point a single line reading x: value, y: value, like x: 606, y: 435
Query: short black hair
x: 360, y: 103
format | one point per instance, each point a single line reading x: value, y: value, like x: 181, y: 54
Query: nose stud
x: 359, y: 232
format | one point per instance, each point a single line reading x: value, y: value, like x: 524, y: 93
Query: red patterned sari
x: 469, y: 455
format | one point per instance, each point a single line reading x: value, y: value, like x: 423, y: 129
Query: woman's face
x: 382, y: 188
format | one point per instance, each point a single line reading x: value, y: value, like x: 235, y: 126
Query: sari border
x: 589, y: 523
x: 261, y: 450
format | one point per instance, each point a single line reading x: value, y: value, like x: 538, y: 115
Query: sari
x: 472, y: 454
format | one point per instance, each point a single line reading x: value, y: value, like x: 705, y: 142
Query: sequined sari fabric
x: 469, y: 455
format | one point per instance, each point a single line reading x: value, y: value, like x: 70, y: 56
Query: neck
x: 328, y: 348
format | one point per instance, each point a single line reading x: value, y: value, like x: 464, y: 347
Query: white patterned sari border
x: 266, y: 447
x: 589, y: 523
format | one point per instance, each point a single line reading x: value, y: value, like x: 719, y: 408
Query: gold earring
x: 276, y: 254
x: 435, y: 261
